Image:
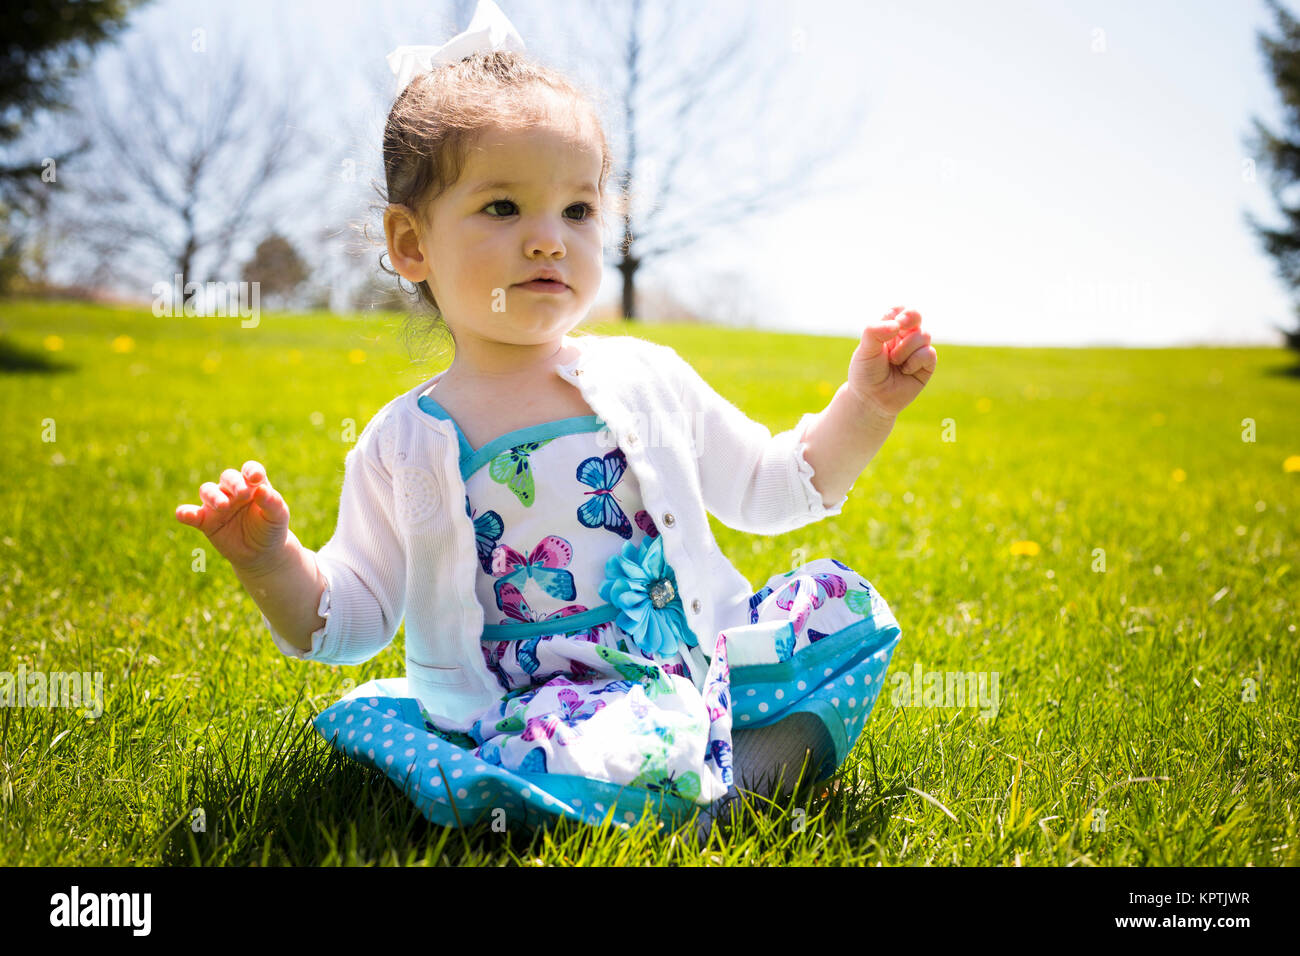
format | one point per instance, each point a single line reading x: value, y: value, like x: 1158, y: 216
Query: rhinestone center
x: 662, y: 593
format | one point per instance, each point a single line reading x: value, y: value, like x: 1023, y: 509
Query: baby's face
x: 483, y: 242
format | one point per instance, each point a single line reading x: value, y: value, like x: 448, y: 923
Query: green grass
x: 1121, y: 690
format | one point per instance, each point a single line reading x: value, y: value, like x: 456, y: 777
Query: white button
x: 577, y: 371
x: 695, y: 605
x: 669, y: 520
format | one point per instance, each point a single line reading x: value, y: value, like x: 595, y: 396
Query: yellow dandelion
x: 295, y: 356
x: 356, y: 356
x: 983, y: 405
x: 1179, y: 475
x: 1158, y: 418
x: 53, y: 343
x: 825, y: 388
x: 123, y: 343
x: 1291, y: 464
x: 210, y: 363
x: 1025, y: 547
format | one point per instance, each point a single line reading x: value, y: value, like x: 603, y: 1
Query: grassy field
x: 1098, y: 527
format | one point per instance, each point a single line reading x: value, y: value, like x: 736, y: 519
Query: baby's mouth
x: 544, y: 285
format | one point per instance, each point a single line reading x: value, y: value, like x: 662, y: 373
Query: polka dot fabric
x: 818, y: 641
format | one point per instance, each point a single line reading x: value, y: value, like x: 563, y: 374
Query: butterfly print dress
x: 596, y: 721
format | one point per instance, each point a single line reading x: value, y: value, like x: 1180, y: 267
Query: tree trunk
x: 628, y: 267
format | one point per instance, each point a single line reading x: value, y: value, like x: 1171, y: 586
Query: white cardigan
x: 404, y: 545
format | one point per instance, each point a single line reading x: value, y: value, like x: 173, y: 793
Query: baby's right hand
x: 245, y: 518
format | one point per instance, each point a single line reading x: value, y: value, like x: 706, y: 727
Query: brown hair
x: 435, y: 118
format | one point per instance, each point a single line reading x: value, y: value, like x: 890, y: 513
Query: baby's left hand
x: 892, y: 363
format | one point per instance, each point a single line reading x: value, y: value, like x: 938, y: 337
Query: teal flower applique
x: 643, y: 586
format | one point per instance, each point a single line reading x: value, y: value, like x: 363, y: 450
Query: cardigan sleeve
x: 751, y: 480
x: 364, y: 566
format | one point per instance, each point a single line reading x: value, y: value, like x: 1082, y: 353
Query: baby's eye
x: 587, y: 209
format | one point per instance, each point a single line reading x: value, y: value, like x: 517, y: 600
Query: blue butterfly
x: 492, y: 655
x: 613, y: 687
x: 534, y: 761
x: 601, y: 509
x: 718, y: 708
x: 526, y: 655
x: 755, y: 600
x: 488, y: 528
x: 720, y: 754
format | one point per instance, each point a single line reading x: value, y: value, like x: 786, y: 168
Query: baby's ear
x: 403, y: 235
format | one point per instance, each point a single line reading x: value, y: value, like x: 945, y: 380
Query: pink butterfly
x: 573, y: 706
x: 543, y: 565
x: 513, y: 603
x: 537, y: 726
x: 804, y: 597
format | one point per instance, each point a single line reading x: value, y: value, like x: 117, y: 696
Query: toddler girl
x: 576, y: 644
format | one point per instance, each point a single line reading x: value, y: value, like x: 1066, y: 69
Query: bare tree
x: 684, y: 119
x: 706, y: 139
x: 186, y: 163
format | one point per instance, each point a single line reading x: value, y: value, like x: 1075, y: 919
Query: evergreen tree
x: 1281, y: 154
x: 45, y: 43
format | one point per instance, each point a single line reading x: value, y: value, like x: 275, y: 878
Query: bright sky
x: 1019, y: 188
x: 1028, y: 172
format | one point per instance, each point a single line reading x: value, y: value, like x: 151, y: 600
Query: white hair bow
x: 488, y: 30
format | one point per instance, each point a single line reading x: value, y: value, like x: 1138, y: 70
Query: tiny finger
x: 213, y: 496
x: 919, y: 360
x: 880, y: 334
x: 909, y: 343
x: 232, y: 483
x: 269, y: 500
